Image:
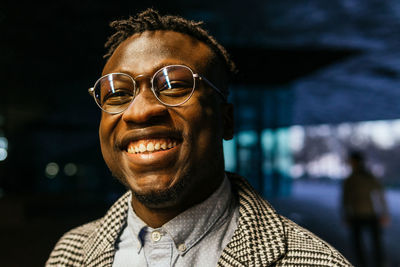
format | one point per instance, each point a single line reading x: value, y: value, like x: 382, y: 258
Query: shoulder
x: 264, y: 237
x: 68, y: 250
x: 303, y: 247
x: 80, y: 243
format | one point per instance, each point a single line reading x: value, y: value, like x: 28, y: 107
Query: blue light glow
x: 3, y: 142
x: 3, y: 154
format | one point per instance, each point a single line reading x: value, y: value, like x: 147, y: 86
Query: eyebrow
x: 168, y: 63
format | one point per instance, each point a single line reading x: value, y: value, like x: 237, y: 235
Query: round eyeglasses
x: 172, y: 85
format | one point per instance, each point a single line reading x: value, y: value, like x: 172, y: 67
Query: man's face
x: 192, y: 133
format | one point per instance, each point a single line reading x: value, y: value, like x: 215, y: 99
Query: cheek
x: 205, y: 125
x: 104, y: 145
x: 105, y: 136
x: 107, y: 127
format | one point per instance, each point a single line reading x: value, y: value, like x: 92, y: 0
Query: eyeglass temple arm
x: 212, y: 85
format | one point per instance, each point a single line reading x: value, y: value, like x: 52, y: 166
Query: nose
x: 144, y: 107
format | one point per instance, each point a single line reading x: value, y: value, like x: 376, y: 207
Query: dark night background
x: 300, y: 63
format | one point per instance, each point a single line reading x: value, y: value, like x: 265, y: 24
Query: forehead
x: 147, y: 51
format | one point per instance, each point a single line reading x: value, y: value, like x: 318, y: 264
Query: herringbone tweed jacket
x: 263, y: 238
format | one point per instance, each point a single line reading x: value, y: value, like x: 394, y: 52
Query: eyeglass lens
x: 172, y: 85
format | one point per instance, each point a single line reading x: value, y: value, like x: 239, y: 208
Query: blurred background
x: 316, y: 80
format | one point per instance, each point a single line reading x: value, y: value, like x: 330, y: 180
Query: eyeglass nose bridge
x: 139, y: 77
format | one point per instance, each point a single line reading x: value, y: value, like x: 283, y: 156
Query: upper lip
x: 146, y: 134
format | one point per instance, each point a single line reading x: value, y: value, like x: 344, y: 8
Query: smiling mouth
x: 151, y: 146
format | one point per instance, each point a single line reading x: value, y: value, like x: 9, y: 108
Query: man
x: 164, y: 115
x: 365, y: 208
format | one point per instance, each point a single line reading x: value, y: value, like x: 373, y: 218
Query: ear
x: 228, y: 121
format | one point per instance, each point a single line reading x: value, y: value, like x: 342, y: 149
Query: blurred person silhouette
x: 365, y: 209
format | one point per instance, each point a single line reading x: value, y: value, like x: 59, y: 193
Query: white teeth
x: 142, y: 148
x: 157, y: 146
x: 150, y: 147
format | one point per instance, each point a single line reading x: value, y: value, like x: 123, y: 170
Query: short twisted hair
x: 151, y: 20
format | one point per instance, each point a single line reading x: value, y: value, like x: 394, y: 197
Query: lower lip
x: 155, y: 157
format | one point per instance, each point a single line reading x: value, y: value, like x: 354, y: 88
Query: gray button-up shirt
x: 195, y: 237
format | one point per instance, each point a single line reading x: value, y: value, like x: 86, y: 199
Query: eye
x: 173, y: 85
x: 118, y: 97
x: 174, y: 88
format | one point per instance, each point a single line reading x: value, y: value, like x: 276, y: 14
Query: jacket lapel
x: 99, y: 249
x: 260, y: 238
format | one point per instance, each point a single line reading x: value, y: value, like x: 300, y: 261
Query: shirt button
x: 156, y: 236
x: 182, y: 247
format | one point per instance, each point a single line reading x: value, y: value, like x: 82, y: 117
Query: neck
x: 157, y: 216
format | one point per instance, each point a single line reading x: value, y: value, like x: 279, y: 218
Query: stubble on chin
x: 163, y: 198
x: 158, y: 198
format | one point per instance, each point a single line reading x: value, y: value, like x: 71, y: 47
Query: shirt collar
x: 189, y: 227
x: 135, y: 225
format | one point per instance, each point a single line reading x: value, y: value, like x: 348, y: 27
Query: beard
x: 159, y: 198
x: 163, y: 198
